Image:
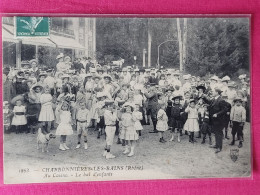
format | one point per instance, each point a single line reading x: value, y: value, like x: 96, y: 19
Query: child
x: 100, y: 112
x: 237, y: 121
x: 137, y: 115
x: 110, y: 117
x: 46, y: 113
x: 226, y: 117
x: 19, y: 120
x: 64, y: 127
x: 191, y: 124
x: 204, y: 120
x: 7, y: 115
x: 200, y: 109
x: 176, y: 111
x: 128, y: 122
x: 162, y: 122
x: 82, y: 120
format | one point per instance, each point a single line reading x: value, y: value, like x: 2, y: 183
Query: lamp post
x: 144, y: 52
x: 158, y: 50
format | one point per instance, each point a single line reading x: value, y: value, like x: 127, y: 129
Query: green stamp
x: 32, y: 26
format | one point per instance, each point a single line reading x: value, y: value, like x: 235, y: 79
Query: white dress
x: 64, y: 127
x: 137, y: 117
x: 19, y: 119
x: 162, y: 123
x: 192, y: 123
x: 46, y: 113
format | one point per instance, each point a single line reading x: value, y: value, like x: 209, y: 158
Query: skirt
x: 162, y: 125
x: 191, y: 125
x: 138, y: 126
x: 19, y: 120
x: 64, y: 129
x: 130, y: 133
x: 46, y: 113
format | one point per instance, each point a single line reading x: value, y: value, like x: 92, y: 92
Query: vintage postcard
x: 125, y: 98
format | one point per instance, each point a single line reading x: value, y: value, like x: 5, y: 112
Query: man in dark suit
x: 217, y: 111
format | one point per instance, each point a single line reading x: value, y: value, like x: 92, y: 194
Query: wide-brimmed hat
x: 225, y: 78
x: 43, y: 74
x: 107, y: 76
x: 33, y: 60
x: 67, y: 57
x: 96, y: 77
x: 88, y: 75
x: 201, y: 87
x: 232, y: 84
x: 218, y: 90
x: 24, y: 63
x: 192, y: 100
x: 238, y: 99
x: 16, y: 98
x: 128, y: 104
x: 101, y: 94
x: 60, y: 56
x: 37, y: 86
x: 65, y: 76
x: 214, y: 78
x: 177, y: 97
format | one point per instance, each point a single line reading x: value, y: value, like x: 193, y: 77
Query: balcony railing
x: 62, y: 31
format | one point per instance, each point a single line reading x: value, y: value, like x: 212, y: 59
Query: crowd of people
x: 121, y: 101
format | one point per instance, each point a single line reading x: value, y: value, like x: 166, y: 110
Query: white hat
x: 107, y: 76
x: 242, y: 76
x: 214, y: 78
x: 92, y: 70
x: 147, y: 70
x: 225, y: 78
x: 185, y: 77
x: 60, y: 56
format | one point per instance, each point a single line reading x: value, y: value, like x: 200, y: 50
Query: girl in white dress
x: 162, y: 122
x: 64, y: 127
x: 19, y: 119
x: 137, y: 115
x: 192, y: 124
x: 46, y: 113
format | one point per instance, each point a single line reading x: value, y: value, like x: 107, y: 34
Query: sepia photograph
x: 126, y: 98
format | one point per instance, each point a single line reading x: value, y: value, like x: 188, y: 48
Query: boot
x: 240, y: 145
x: 132, y: 152
x: 123, y: 142
x: 148, y: 121
x: 140, y: 134
x: 203, y: 141
x: 126, y: 150
x: 199, y: 136
x: 65, y: 146
x: 193, y: 140
x: 162, y: 140
x: 172, y: 138
x: 210, y: 141
x: 179, y: 138
x: 62, y: 147
x: 119, y: 141
x: 78, y: 146
x: 99, y: 134
x: 190, y: 140
x: 186, y: 133
x: 85, y: 145
x: 33, y: 131
x: 181, y: 132
x: 226, y: 136
x: 232, y: 143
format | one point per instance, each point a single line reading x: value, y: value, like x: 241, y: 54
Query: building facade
x: 75, y: 37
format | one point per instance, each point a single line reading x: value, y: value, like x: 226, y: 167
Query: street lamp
x: 158, y: 58
x: 144, y: 52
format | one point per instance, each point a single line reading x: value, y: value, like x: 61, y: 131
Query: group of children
x: 118, y: 105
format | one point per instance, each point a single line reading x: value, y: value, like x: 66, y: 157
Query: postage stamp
x: 32, y: 26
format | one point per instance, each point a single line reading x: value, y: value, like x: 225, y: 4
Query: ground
x: 152, y: 159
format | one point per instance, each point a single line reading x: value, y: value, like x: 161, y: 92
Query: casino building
x: 74, y: 37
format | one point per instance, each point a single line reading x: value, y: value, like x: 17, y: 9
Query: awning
x: 8, y: 33
x: 38, y: 41
x: 65, y: 42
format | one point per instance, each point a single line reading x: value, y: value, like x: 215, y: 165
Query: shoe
x: 172, y: 138
x: 126, y: 150
x: 210, y: 141
x: 163, y: 140
x: 213, y: 146
x: 85, y: 146
x: 217, y: 151
x: 240, y: 145
x: 190, y: 138
x: 109, y: 156
x: 78, y: 146
x: 99, y: 133
x: 179, y: 139
x: 119, y: 141
x: 226, y: 137
x: 62, y: 147
x: 203, y: 141
x: 105, y: 153
x: 66, y: 147
x: 131, y: 154
x: 232, y: 143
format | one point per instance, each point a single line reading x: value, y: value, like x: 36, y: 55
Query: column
x: 18, y: 54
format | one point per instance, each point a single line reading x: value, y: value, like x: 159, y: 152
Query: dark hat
x: 192, y: 100
x: 142, y: 70
x: 218, y: 90
x: 19, y: 73
x: 237, y: 99
x: 36, y: 86
x: 152, y: 84
x: 49, y: 70
x: 109, y: 102
x: 42, y: 74
x: 177, y: 97
x: 201, y: 87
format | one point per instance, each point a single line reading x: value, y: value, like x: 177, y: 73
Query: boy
x: 82, y: 120
x: 176, y: 111
x: 237, y: 121
x: 110, y: 116
x: 226, y: 117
